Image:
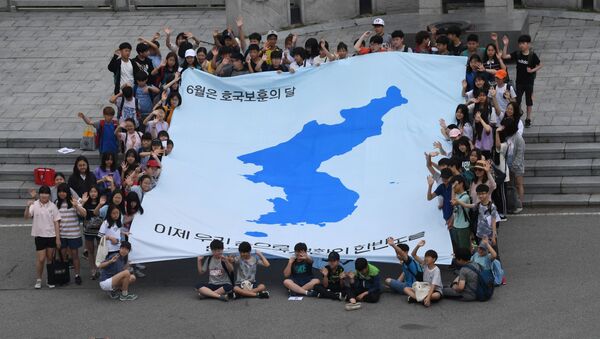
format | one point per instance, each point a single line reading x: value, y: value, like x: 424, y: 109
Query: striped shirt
x: 69, y: 222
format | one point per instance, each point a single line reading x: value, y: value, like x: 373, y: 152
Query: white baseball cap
x: 190, y: 53
x: 271, y: 32
x: 378, y: 21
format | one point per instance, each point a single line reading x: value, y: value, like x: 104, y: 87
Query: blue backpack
x: 485, y: 283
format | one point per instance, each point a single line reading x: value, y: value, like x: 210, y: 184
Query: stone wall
x: 259, y: 15
x: 319, y: 11
x: 552, y: 3
x: 395, y: 6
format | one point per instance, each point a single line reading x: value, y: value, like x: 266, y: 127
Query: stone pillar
x: 319, y: 11
x: 430, y: 7
x: 499, y: 6
x: 259, y: 15
x: 7, y: 6
x: 123, y: 5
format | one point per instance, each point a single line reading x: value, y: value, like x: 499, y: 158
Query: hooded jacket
x: 370, y: 281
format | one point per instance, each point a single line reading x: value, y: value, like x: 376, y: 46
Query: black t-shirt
x: 524, y: 61
x: 333, y: 276
x: 301, y: 269
x: 456, y: 50
x: 144, y: 66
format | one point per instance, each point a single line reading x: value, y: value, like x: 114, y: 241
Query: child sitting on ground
x: 365, y: 284
x: 431, y: 275
x: 220, y: 271
x: 246, y: 264
x: 332, y: 286
x: 298, y: 272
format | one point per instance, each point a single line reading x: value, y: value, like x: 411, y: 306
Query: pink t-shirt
x: 44, y: 216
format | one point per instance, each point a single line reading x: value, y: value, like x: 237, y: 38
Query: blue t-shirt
x: 485, y: 261
x: 108, y: 140
x: 411, y: 269
x: 144, y: 100
x: 445, y: 191
x: 114, y: 268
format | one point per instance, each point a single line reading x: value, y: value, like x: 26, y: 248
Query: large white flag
x: 331, y: 156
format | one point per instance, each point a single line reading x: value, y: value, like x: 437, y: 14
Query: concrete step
x: 562, y: 150
x: 24, y: 172
x: 558, y: 134
x: 12, y: 207
x: 53, y: 139
x: 563, y: 185
x: 540, y: 200
x: 16, y: 189
x: 562, y: 167
x: 44, y: 156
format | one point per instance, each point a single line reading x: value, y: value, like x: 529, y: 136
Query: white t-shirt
x: 113, y: 232
x: 126, y: 73
x: 129, y: 110
x: 131, y: 140
x: 154, y: 127
x: 502, y: 102
x: 294, y: 65
x: 502, y: 163
x: 318, y: 60
x: 434, y: 277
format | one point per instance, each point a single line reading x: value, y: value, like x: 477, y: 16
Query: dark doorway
x: 365, y: 7
x: 295, y: 14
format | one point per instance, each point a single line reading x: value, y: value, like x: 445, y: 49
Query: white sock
x: 124, y: 293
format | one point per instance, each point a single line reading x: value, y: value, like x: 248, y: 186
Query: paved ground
x: 54, y: 64
x: 549, y: 260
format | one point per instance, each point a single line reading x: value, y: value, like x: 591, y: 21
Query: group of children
x: 234, y: 276
x: 475, y: 178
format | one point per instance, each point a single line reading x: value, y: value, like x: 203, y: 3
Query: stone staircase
x: 20, y: 156
x: 562, y: 166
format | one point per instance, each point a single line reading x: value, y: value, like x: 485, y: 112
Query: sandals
x: 352, y: 307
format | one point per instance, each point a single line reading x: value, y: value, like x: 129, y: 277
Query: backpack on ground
x: 498, y: 272
x: 485, y: 282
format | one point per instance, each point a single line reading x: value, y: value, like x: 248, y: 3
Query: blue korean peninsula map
x: 314, y: 197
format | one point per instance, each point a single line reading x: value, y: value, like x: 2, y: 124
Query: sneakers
x: 352, y: 307
x: 49, y: 285
x: 518, y: 210
x: 139, y: 273
x: 78, y: 280
x: 312, y: 293
x: 339, y: 296
x: 224, y: 297
x: 527, y: 123
x: 128, y: 297
x: 140, y: 266
x: 411, y: 300
x: 263, y: 295
x: 114, y: 295
x: 503, y: 218
x: 38, y: 284
x: 504, y: 280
